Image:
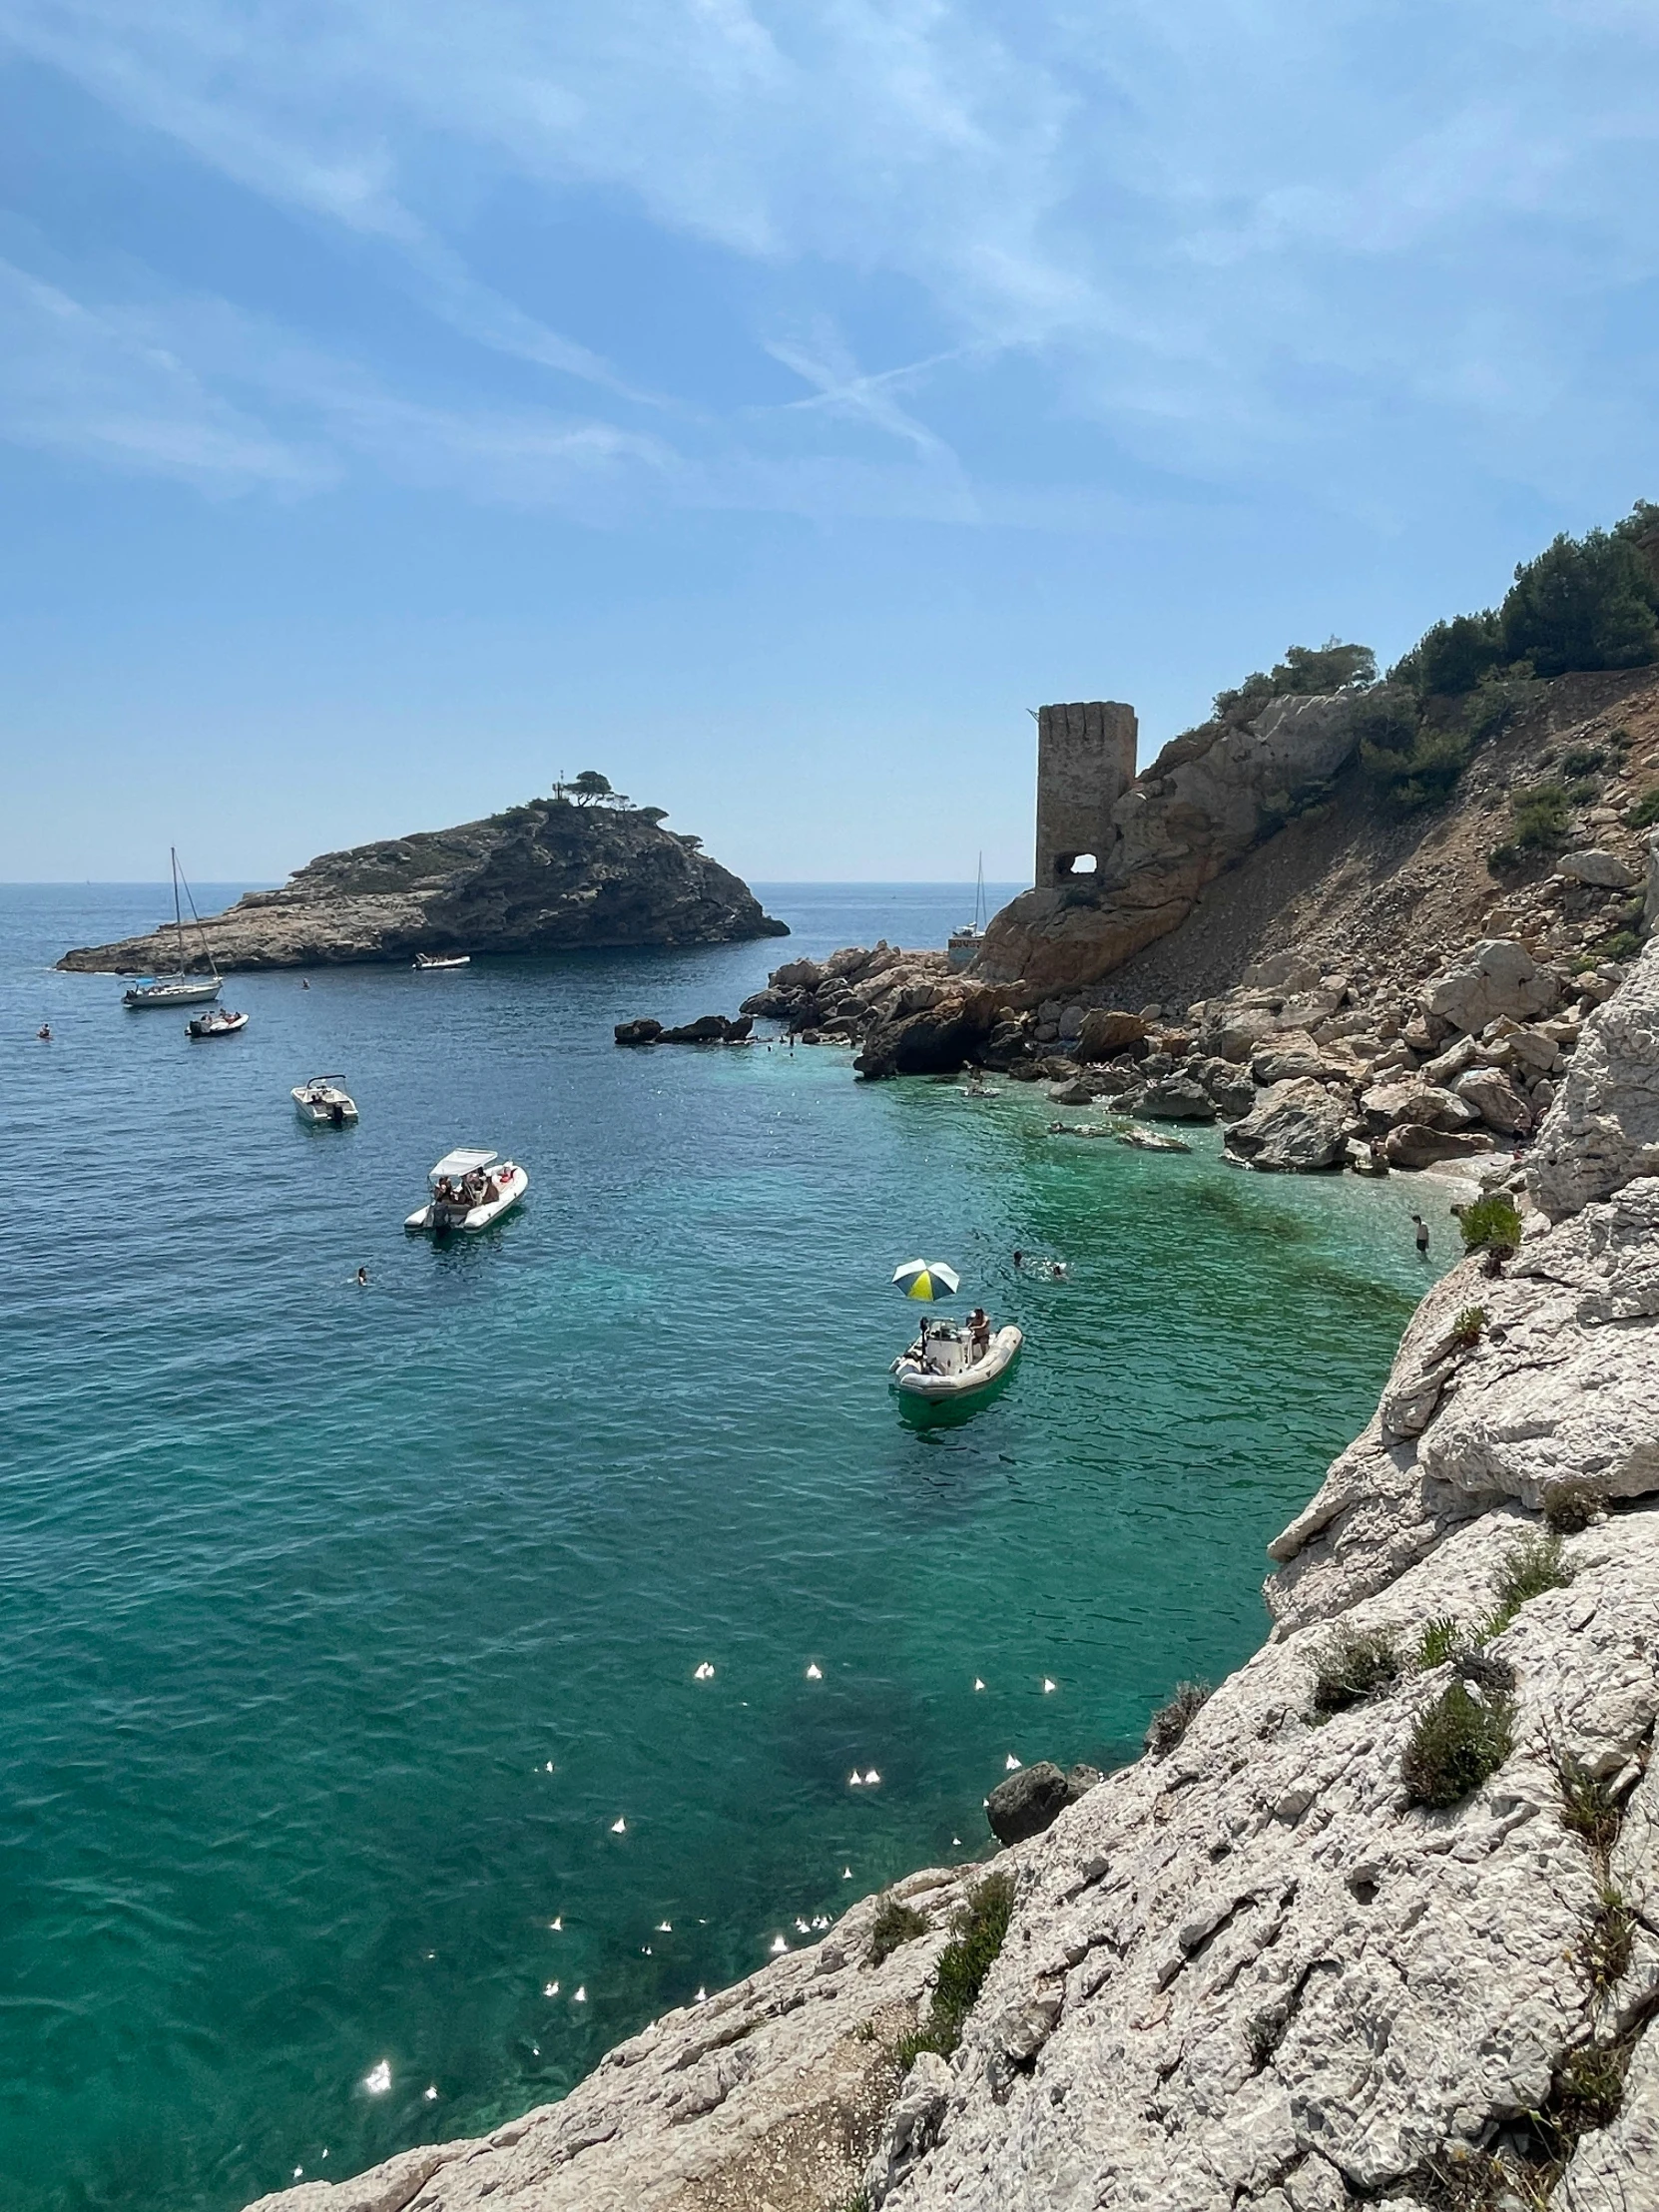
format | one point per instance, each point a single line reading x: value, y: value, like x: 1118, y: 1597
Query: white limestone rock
x: 1603, y: 1128
x: 1295, y: 1128
x: 1499, y: 976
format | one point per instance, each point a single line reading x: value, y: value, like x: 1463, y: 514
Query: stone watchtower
x: 1085, y: 763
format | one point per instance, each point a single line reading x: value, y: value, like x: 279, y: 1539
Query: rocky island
x: 557, y: 875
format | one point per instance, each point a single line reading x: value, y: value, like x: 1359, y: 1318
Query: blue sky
x: 766, y: 404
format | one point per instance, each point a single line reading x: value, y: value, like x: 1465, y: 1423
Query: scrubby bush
x: 1623, y: 944
x: 1468, y: 1328
x: 1583, y: 760
x: 1351, y: 1666
x: 1171, y: 1722
x: 1609, y: 1940
x: 1530, y: 1567
x: 1645, y: 813
x: 1421, y: 772
x: 1542, y: 816
x: 1588, y: 1807
x: 1455, y: 1743
x: 1583, y: 603
x: 894, y: 1924
x: 1304, y: 669
x: 1504, y: 860
x: 1442, y: 1639
x: 1590, y: 2090
x: 1493, y: 1220
x: 977, y: 1932
x: 1572, y: 1504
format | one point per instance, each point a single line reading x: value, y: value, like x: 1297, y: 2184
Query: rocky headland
x: 554, y: 875
x: 1377, y: 1921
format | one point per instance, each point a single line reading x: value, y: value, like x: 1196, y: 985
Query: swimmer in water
x: 362, y: 1278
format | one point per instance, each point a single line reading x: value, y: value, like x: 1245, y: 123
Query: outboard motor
x: 337, y: 1114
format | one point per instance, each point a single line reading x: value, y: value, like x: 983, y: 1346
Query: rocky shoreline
x: 1378, y: 1920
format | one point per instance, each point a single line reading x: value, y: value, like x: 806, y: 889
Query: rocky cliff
x: 1239, y: 844
x: 550, y: 876
x: 1379, y: 1921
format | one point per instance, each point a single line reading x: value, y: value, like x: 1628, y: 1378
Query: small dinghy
x: 220, y: 1024
x: 470, y: 1188
x: 323, y: 1102
x: 425, y: 960
x: 939, y: 1366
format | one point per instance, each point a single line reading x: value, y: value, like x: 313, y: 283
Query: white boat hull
x: 914, y: 1381
x: 192, y: 992
x: 216, y: 1025
x: 330, y: 1112
x: 444, y: 1220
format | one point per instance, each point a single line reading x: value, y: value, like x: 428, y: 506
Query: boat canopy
x: 462, y: 1160
x: 315, y: 1082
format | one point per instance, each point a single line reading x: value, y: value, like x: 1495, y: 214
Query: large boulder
x: 1499, y: 977
x: 1602, y: 1131
x: 1176, y: 1098
x: 1294, y: 1128
x: 645, y: 1031
x: 1496, y: 1100
x: 934, y: 1039
x: 1602, y: 870
x: 1416, y: 1144
x: 1293, y: 1052
x: 1230, y: 1089
x: 1034, y: 1797
x: 1105, y: 1032
x: 1389, y: 1106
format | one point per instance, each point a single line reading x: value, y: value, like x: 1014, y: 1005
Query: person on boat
x: 44, y: 1032
x: 979, y: 1334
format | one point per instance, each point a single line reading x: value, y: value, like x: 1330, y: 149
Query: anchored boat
x: 940, y: 1366
x: 220, y: 1024
x: 324, y: 1102
x: 184, y: 988
x: 453, y: 959
x: 470, y: 1188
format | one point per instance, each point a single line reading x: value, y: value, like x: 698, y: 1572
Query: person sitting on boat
x: 979, y: 1334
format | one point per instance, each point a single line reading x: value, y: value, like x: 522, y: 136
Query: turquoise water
x: 304, y: 1586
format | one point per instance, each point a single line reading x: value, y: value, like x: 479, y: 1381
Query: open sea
x: 357, y: 1786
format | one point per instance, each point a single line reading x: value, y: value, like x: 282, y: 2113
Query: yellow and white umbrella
x: 928, y: 1279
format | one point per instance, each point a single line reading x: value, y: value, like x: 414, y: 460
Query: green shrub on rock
x: 1171, y: 1722
x: 894, y: 1924
x: 1352, y: 1667
x: 1530, y: 1567
x: 1491, y: 1221
x: 1442, y: 1639
x: 1455, y: 1743
x: 978, y: 1930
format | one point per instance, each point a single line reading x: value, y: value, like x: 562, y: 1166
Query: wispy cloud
x: 1244, y: 238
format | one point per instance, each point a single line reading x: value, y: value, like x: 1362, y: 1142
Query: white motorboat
x: 183, y: 989
x: 220, y: 1024
x: 939, y: 1366
x: 470, y: 1188
x: 324, y: 1102
x: 452, y: 959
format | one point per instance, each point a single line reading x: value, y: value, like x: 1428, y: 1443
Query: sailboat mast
x: 979, y: 895
x: 178, y: 917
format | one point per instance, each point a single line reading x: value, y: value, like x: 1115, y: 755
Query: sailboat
x: 963, y: 944
x: 187, y: 987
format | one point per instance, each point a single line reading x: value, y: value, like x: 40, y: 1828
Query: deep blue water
x: 304, y: 1586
